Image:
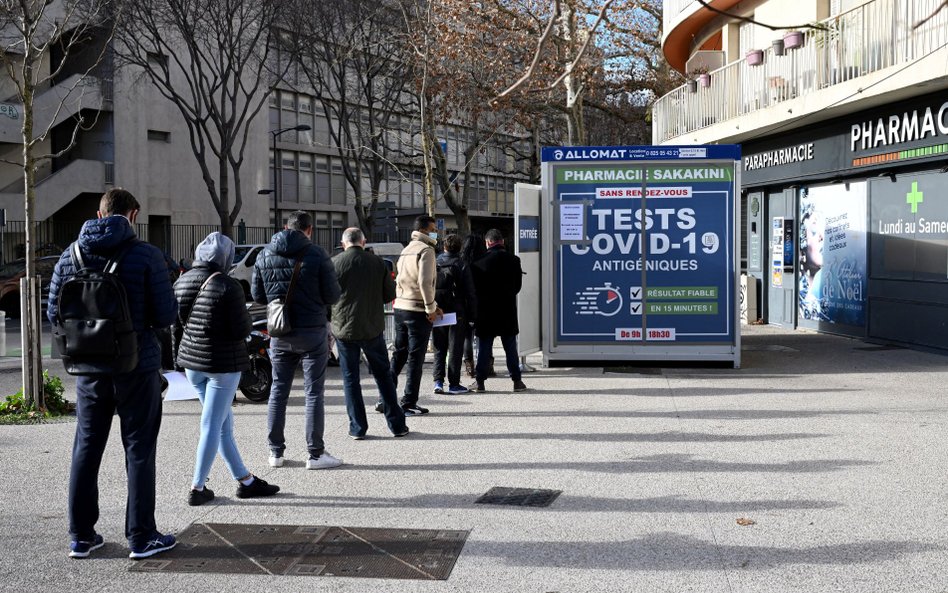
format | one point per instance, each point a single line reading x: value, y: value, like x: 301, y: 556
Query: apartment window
x: 159, y: 135
x: 323, y: 191
x: 289, y: 188
x: 307, y: 186
x: 338, y: 181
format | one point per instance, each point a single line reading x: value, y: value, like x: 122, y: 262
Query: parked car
x: 242, y: 270
x: 10, y: 275
x: 389, y: 252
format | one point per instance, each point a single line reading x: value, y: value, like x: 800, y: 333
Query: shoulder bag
x: 278, y: 322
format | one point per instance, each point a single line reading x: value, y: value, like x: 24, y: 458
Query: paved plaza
x: 830, y: 451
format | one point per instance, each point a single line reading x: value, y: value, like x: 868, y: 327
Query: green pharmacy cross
x: 914, y: 197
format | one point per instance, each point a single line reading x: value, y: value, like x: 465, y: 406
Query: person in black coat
x: 135, y: 396
x: 454, y: 293
x: 315, y: 290
x: 497, y: 279
x: 211, y: 330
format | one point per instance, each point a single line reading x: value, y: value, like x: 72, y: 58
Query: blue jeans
x: 137, y: 400
x: 412, y: 330
x: 449, y: 348
x: 216, y: 392
x: 485, y: 347
x: 377, y: 356
x: 286, y: 353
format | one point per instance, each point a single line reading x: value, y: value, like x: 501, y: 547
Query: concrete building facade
x: 134, y: 138
x: 842, y: 115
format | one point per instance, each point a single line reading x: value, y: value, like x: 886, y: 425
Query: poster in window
x: 832, y: 253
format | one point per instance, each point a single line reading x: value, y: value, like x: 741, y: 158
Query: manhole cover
x: 317, y: 550
x: 521, y: 497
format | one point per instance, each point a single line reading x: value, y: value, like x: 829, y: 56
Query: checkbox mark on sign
x: 636, y: 308
x: 635, y: 292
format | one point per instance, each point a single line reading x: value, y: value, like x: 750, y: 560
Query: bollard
x: 3, y: 333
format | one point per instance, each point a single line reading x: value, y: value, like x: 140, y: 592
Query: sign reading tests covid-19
x: 656, y: 263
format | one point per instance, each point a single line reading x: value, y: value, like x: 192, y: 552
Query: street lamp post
x: 277, y: 165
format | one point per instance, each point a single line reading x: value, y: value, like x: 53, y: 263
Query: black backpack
x: 447, y: 287
x: 94, y: 330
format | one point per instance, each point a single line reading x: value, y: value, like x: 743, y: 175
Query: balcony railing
x: 671, y: 9
x: 867, y: 39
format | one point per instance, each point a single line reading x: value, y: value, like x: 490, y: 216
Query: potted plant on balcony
x: 778, y: 47
x: 793, y: 39
x: 754, y: 57
x: 701, y: 76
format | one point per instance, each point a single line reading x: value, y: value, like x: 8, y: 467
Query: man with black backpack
x: 454, y: 293
x: 108, y: 296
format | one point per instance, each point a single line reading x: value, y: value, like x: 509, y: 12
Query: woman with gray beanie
x: 210, y: 333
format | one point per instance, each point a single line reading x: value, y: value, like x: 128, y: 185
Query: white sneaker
x: 276, y: 461
x: 324, y: 461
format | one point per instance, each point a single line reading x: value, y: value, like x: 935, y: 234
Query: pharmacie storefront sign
x: 901, y: 133
x: 645, y: 249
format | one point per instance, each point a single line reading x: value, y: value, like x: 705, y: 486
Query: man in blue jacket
x: 134, y: 396
x: 315, y: 289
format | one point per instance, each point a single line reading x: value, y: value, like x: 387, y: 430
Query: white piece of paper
x: 179, y: 388
x: 447, y: 319
x: 571, y: 222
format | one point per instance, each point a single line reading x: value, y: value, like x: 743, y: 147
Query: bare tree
x: 449, y: 83
x: 43, y: 44
x: 211, y: 59
x: 352, y: 54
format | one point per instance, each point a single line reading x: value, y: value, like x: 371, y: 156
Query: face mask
x: 433, y: 236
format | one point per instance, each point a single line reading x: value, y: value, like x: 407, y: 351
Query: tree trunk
x: 32, y: 356
x: 223, y: 181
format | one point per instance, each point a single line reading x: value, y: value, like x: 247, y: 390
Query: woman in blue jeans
x: 210, y: 331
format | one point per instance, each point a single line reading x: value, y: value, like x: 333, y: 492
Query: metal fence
x: 176, y: 240
x: 867, y: 39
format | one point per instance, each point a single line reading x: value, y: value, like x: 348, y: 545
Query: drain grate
x: 879, y: 348
x: 317, y: 550
x: 521, y: 497
x: 631, y: 370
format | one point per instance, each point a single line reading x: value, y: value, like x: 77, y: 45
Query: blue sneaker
x: 439, y: 387
x: 78, y: 549
x: 157, y: 544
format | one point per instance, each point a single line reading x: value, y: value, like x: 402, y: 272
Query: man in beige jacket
x: 415, y: 309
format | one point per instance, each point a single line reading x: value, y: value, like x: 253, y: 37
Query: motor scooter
x: 255, y: 382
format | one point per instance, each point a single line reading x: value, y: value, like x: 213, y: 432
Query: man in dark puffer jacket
x: 316, y: 289
x: 135, y: 396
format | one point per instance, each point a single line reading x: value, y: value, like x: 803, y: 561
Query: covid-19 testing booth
x: 635, y: 254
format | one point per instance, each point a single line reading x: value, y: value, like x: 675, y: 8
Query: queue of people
x: 300, y: 284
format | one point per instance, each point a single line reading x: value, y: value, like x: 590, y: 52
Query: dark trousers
x: 412, y: 330
x: 485, y: 347
x: 449, y: 347
x: 377, y: 356
x: 137, y: 400
x: 311, y: 347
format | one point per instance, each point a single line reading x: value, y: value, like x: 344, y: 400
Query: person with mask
x: 211, y: 329
x: 415, y: 310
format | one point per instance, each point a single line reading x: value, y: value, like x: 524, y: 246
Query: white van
x: 245, y: 256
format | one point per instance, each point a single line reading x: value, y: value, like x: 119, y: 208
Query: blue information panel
x: 645, y: 249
